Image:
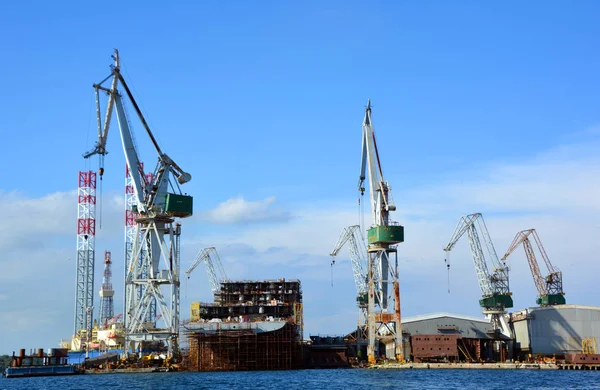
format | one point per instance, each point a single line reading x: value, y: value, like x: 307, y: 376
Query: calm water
x: 323, y: 379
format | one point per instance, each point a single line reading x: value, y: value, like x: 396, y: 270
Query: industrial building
x: 441, y: 337
x: 554, y: 330
x: 252, y: 325
x: 452, y: 337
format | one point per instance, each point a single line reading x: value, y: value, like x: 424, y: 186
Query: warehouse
x: 554, y: 330
x: 451, y: 337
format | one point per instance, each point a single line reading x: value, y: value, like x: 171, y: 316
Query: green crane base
x: 551, y: 300
x: 386, y: 234
x: 499, y: 300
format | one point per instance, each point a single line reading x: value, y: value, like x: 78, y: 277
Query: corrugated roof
x: 441, y: 315
x: 568, y: 306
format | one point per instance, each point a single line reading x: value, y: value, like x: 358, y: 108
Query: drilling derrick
x: 383, y: 324
x: 107, y: 311
x: 157, y: 205
x: 550, y: 288
x: 496, y: 295
x: 86, y: 232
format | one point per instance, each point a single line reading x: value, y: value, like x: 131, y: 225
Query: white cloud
x: 241, y: 211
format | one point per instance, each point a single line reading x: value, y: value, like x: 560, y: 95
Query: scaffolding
x: 245, y: 350
x: 252, y: 325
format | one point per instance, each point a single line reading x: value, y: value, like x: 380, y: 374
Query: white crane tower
x: 496, y: 295
x: 214, y: 267
x: 352, y: 236
x: 158, y: 203
x: 383, y: 235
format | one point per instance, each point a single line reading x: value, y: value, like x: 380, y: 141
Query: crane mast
x: 496, y: 295
x: 351, y: 235
x: 382, y: 238
x: 157, y: 205
x: 214, y: 267
x: 550, y: 289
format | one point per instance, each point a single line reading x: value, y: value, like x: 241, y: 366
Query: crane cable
x: 447, y: 261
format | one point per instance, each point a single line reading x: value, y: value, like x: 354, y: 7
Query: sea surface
x: 321, y: 379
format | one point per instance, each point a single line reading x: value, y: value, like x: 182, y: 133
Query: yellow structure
x: 195, y: 312
x: 588, y: 346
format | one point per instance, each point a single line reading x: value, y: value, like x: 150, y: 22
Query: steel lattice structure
x: 130, y: 237
x: 107, y: 293
x: 86, y: 232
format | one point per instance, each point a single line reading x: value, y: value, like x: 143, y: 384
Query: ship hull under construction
x: 245, y: 348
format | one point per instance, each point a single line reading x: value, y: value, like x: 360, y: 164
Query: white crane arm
x: 463, y: 225
x: 213, y: 266
x: 358, y: 250
x: 466, y: 224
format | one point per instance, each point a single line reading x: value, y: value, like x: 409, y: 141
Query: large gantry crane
x: 550, y: 288
x: 214, y: 267
x: 352, y: 236
x: 383, y: 324
x: 495, y: 291
x: 158, y: 203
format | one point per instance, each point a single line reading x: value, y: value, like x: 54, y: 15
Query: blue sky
x: 489, y: 107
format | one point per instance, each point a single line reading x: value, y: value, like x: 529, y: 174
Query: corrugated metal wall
x: 521, y: 335
x: 560, y: 329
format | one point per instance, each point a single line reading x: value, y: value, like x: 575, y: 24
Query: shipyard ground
x: 484, y: 366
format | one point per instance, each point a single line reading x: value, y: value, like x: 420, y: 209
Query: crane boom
x: 358, y: 251
x: 380, y: 193
x: 550, y: 290
x: 214, y: 267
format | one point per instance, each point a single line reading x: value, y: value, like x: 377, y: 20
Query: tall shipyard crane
x: 550, y: 288
x: 352, y: 236
x: 382, y: 236
x: 214, y: 267
x: 496, y: 295
x: 158, y: 203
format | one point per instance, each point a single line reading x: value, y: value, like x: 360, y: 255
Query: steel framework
x: 86, y: 232
x: 130, y: 237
